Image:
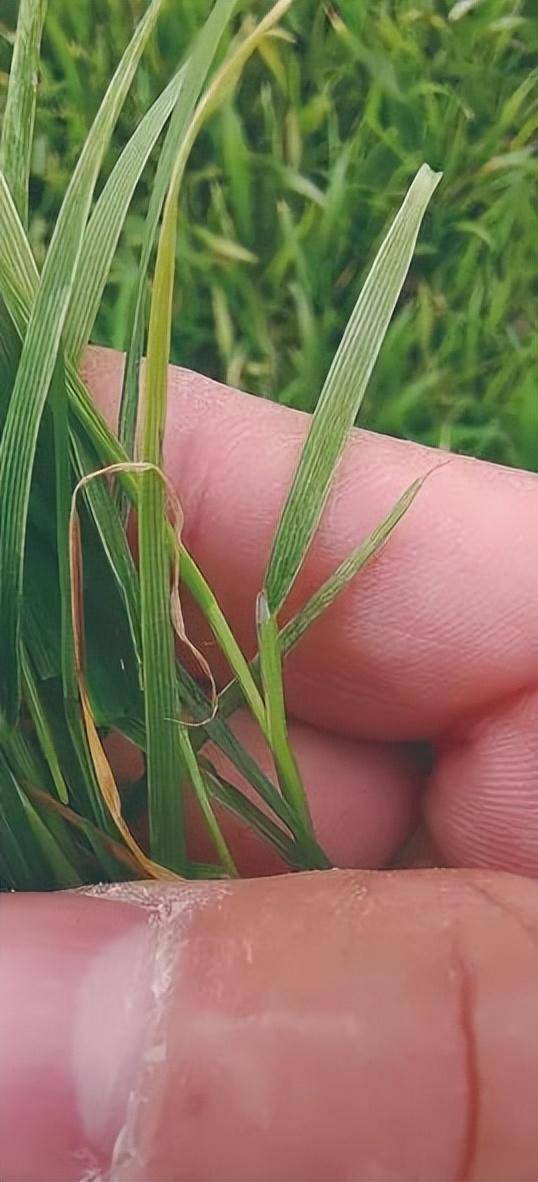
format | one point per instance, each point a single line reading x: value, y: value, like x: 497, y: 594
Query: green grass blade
x: 62, y: 472
x: 161, y: 698
x: 207, y: 601
x: 102, y: 508
x: 156, y: 399
x: 232, y: 697
x: 324, y: 591
x: 38, y: 714
x: 198, y: 781
x: 9, y: 355
x: 33, y: 847
x: 22, y: 756
x: 328, y: 592
x: 174, y: 156
x: 107, y: 219
x: 202, y: 871
x: 289, y: 776
x: 105, y: 855
x: 70, y: 684
x: 135, y: 336
x: 15, y: 252
x: 241, y: 807
x: 343, y: 392
x: 19, y: 113
x: 165, y: 754
x: 217, y: 731
x: 19, y: 282
x: 23, y: 864
x: 38, y: 359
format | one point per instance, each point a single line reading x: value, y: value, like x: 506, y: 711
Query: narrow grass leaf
x: 81, y: 738
x: 9, y: 356
x: 156, y: 377
x: 38, y: 360
x: 23, y: 756
x: 31, y: 848
x: 105, y: 849
x: 202, y: 871
x: 335, y: 584
x: 17, y: 258
x: 103, y: 772
x: 177, y: 146
x: 19, y: 112
x: 106, y: 222
x: 174, y: 145
x: 217, y: 731
x: 100, y: 503
x: 161, y: 693
x: 343, y: 392
x: 246, y: 811
x: 271, y: 675
x: 231, y: 697
x: 207, y: 601
x: 161, y: 696
x: 38, y: 714
x: 198, y: 782
x: 62, y: 470
x: 165, y: 755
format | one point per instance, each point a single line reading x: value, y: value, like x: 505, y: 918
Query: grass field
x: 291, y: 186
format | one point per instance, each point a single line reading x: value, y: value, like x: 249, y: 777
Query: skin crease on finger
x: 428, y: 638
x: 337, y: 1027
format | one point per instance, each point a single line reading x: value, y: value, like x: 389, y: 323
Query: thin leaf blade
x: 19, y: 114
x: 166, y: 757
x: 289, y: 776
x: 348, y: 569
x: 106, y: 222
x: 343, y: 392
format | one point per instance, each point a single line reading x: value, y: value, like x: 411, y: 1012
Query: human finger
x: 481, y: 807
x: 429, y: 632
x: 306, y: 1028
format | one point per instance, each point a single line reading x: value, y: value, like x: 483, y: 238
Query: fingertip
x: 310, y: 1028
x: 482, y: 805
x: 73, y: 975
x: 321, y: 1027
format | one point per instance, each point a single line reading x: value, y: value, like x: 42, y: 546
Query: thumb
x: 311, y: 1028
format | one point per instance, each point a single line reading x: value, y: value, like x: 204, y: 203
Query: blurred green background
x: 292, y: 185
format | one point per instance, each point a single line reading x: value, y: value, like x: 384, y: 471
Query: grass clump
x: 292, y: 182
x: 80, y: 658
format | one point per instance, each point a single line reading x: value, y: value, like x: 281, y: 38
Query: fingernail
x: 74, y: 981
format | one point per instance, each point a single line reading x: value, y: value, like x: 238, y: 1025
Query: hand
x: 352, y: 1025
